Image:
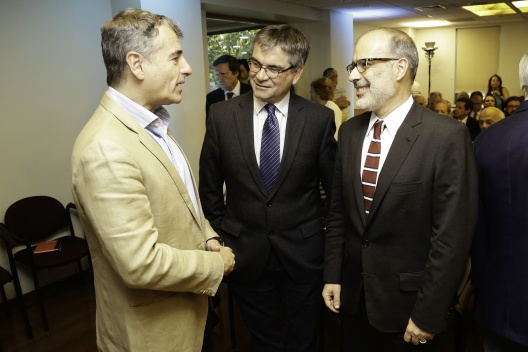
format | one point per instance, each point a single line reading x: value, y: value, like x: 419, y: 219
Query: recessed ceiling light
x: 427, y: 24
x: 521, y: 5
x: 490, y: 9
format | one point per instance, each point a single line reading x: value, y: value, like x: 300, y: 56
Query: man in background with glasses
x: 272, y: 148
x: 403, y: 211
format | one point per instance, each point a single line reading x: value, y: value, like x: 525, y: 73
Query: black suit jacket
x: 218, y: 95
x: 473, y: 127
x: 253, y: 222
x: 409, y: 254
x: 500, y: 251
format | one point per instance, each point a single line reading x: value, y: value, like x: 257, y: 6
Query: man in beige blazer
x: 137, y: 199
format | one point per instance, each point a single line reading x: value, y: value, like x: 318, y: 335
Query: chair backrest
x: 36, y: 217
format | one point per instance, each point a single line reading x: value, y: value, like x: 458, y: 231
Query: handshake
x: 215, y: 244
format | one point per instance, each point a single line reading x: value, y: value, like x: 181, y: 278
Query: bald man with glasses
x: 403, y: 210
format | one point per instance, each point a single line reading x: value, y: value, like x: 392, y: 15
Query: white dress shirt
x: 391, y: 124
x: 157, y: 125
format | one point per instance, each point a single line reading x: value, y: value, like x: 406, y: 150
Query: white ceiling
x: 390, y: 13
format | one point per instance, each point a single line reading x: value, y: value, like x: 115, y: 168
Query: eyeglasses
x: 272, y: 72
x: 363, y: 64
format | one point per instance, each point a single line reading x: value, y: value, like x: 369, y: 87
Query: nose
x: 186, y: 68
x: 354, y: 75
x: 262, y: 75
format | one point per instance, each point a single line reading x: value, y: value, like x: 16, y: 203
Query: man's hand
x: 332, y: 296
x: 342, y: 102
x: 228, y: 257
x: 415, y: 335
x: 213, y: 245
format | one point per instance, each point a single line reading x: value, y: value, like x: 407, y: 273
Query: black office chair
x: 5, y: 278
x: 32, y: 220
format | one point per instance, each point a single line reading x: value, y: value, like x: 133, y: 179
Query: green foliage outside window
x: 237, y: 44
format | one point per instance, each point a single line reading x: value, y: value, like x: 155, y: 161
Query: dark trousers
x: 359, y: 336
x: 275, y: 305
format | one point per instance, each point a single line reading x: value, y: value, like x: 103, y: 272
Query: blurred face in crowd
x: 489, y: 101
x: 432, y: 100
x: 477, y: 103
x: 489, y: 116
x: 243, y: 74
x: 333, y: 77
x: 442, y: 108
x: 420, y: 100
x: 226, y: 79
x: 512, y: 106
x: 495, y: 83
x: 460, y: 111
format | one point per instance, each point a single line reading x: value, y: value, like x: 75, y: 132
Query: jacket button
x: 270, y: 232
x: 269, y: 204
x: 366, y: 244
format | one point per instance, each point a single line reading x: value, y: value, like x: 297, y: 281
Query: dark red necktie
x: 370, y: 170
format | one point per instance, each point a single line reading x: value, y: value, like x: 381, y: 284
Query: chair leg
x: 20, y: 300
x: 4, y: 302
x: 231, y: 317
x: 40, y: 300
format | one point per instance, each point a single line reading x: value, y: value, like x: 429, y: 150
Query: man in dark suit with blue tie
x: 399, y: 227
x: 227, y: 69
x: 272, y: 148
x: 500, y: 249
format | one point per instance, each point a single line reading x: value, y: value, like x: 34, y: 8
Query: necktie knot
x: 229, y: 95
x: 270, y: 108
x: 377, y: 129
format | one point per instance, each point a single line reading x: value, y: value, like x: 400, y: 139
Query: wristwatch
x: 219, y: 239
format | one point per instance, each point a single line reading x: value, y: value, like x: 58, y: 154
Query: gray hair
x: 523, y: 73
x: 288, y: 39
x: 401, y: 45
x: 131, y: 30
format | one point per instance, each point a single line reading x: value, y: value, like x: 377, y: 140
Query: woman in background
x: 322, y: 92
x: 490, y: 100
x: 496, y: 89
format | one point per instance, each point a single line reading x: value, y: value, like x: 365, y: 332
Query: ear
x: 401, y: 66
x: 134, y: 61
x: 297, y: 74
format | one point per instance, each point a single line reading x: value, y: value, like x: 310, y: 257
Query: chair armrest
x: 11, y: 239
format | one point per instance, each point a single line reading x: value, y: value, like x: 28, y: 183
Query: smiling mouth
x: 361, y: 90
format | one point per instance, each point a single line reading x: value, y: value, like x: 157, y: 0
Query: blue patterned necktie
x: 270, y: 149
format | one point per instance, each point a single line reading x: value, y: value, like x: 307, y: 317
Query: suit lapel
x: 152, y: 146
x: 244, y: 126
x: 400, y: 148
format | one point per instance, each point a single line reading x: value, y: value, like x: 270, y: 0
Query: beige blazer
x: 152, y: 275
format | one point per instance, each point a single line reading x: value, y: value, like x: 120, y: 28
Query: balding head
x: 489, y: 116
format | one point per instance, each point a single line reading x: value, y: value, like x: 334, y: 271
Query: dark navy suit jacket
x: 500, y: 249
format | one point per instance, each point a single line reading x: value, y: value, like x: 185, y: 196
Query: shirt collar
x: 235, y: 90
x: 157, y: 122
x: 281, y: 106
x: 393, y: 121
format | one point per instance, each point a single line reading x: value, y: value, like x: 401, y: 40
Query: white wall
x: 52, y: 80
